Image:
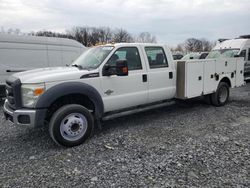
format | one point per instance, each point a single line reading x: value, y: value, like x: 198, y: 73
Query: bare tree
x: 193, y: 45
x: 91, y: 36
x: 198, y: 45
x: 146, y: 37
x: 179, y: 48
x: 15, y: 31
x: 121, y: 35
x: 105, y: 35
x: 95, y: 35
x: 50, y: 34
x: 207, y: 45
x: 81, y: 34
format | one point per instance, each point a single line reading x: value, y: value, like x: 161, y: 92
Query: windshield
x: 223, y: 53
x: 93, y: 57
x: 191, y: 56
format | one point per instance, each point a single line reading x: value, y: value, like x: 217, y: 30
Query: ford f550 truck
x: 110, y: 81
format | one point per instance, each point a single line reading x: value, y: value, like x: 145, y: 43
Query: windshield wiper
x: 78, y: 66
x: 91, y: 67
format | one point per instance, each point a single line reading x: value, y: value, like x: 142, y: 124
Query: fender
x: 226, y: 78
x: 60, y: 90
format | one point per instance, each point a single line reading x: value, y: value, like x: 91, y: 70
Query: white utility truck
x: 239, y: 47
x: 20, y: 53
x: 110, y: 81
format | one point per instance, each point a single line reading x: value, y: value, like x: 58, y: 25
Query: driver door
x: 120, y: 92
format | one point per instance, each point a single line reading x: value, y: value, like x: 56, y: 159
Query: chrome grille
x: 13, y: 92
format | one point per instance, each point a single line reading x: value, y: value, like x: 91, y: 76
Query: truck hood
x: 51, y: 74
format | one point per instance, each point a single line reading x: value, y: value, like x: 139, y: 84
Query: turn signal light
x: 125, y: 69
x: 38, y: 91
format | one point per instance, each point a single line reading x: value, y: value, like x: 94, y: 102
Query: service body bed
x: 201, y: 77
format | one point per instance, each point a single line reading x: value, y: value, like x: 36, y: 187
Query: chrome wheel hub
x: 73, y: 126
x: 223, y: 94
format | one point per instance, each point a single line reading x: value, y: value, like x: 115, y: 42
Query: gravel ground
x: 192, y: 145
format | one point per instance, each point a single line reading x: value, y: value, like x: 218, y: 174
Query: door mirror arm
x: 108, y: 70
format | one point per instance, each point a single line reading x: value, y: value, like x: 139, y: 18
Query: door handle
x: 170, y: 75
x: 144, y: 78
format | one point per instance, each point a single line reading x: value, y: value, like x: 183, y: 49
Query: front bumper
x: 32, y: 117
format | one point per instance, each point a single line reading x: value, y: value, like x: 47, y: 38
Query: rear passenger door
x: 161, y: 76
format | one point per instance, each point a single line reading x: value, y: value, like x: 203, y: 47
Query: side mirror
x: 191, y: 58
x: 121, y: 68
x: 237, y: 55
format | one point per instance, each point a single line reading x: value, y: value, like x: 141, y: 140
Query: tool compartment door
x: 225, y: 65
x: 239, y: 80
x: 210, y: 84
x: 194, y: 79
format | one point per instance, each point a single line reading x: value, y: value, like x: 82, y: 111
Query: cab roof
x: 133, y: 44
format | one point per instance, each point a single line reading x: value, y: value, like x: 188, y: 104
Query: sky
x: 171, y: 21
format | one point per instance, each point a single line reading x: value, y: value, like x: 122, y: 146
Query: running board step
x: 136, y: 110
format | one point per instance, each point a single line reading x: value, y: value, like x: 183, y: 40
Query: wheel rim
x: 223, y: 94
x: 73, y: 126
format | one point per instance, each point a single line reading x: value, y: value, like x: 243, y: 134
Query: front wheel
x: 71, y: 125
x: 221, y: 96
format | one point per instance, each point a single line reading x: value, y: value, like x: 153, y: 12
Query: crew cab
x: 113, y: 80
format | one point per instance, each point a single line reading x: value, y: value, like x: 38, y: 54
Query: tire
x: 221, y: 96
x: 71, y: 125
x: 207, y: 99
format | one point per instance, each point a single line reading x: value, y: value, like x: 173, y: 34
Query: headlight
x: 30, y: 93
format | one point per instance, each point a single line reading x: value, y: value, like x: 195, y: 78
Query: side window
x: 203, y: 56
x: 131, y: 54
x: 248, y: 54
x: 156, y: 57
x: 243, y: 54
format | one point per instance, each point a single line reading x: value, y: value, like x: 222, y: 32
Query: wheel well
x: 69, y: 99
x: 226, y: 80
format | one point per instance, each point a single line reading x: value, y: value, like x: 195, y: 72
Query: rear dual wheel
x: 220, y: 97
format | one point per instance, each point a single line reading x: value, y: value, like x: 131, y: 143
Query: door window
x: 203, y: 56
x: 156, y: 57
x: 243, y: 54
x: 131, y: 54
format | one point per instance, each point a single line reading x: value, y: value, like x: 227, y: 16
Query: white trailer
x: 21, y: 53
